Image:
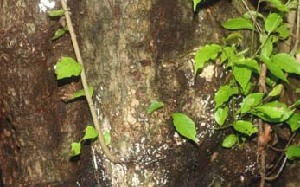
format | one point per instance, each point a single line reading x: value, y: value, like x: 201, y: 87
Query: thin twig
x: 89, y: 99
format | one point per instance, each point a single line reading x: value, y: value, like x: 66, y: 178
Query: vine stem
x: 89, y: 99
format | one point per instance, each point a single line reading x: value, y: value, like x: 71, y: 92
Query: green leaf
x: 81, y: 93
x: 223, y: 95
x: 276, y: 90
x: 267, y: 47
x: 90, y: 133
x: 234, y: 38
x: 107, y: 137
x: 75, y: 148
x: 252, y: 100
x: 283, y: 31
x: 272, y: 22
x: 274, y: 69
x: 293, y: 152
x: 58, y: 33
x: 184, y: 125
x: 67, y: 67
x: 286, y: 62
x: 54, y: 13
x: 230, y: 141
x: 248, y: 63
x: 238, y: 23
x: 245, y: 127
x: 242, y: 76
x: 273, y: 112
x: 279, y: 5
x: 196, y: 2
x: 227, y: 53
x: 294, y: 122
x: 251, y: 13
x: 155, y: 105
x: 221, y: 115
x: 206, y: 53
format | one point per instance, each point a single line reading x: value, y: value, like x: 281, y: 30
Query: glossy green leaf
x: 283, y: 31
x: 274, y: 69
x: 230, y: 141
x: 90, y: 133
x: 279, y: 5
x: 276, y: 90
x: 75, y: 148
x: 155, y: 105
x: 107, y: 137
x: 81, y: 93
x: 221, y: 115
x: 54, y: 13
x: 206, y: 53
x: 267, y: 47
x: 58, y: 33
x: 248, y: 63
x: 223, y: 95
x: 272, y: 22
x: 293, y: 152
x: 245, y: 127
x: 184, y: 125
x: 242, y: 76
x: 196, y: 2
x: 227, y: 53
x: 273, y: 112
x: 252, y: 100
x: 67, y: 67
x: 286, y: 62
x: 238, y: 23
x: 294, y: 122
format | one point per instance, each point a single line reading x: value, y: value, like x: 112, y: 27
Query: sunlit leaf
x: 252, y: 14
x: 184, y: 125
x: 67, y: 67
x: 276, y: 90
x: 267, y: 47
x: 245, y: 127
x: 58, y: 33
x: 242, y: 75
x: 221, y: 115
x: 155, y: 105
x: 283, y: 31
x: 56, y: 13
x: 279, y: 5
x: 90, y: 133
x: 286, y: 62
x: 252, y: 100
x: 272, y: 22
x: 196, y: 2
x: 248, y: 63
x: 294, y: 122
x: 223, y: 95
x: 81, y: 93
x: 230, y: 141
x: 234, y: 38
x: 75, y: 148
x: 204, y: 54
x: 273, y: 112
x: 293, y: 152
x: 274, y: 69
x: 238, y: 23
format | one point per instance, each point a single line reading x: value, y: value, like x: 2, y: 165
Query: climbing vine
x: 67, y: 67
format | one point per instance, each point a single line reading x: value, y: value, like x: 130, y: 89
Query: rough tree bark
x: 134, y: 51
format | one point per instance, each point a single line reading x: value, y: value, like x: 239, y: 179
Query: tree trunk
x: 134, y: 52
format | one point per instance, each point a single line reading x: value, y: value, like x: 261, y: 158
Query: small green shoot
x: 293, y: 152
x: 59, y: 33
x: 55, y: 13
x: 67, y: 67
x: 155, y: 105
x: 230, y: 141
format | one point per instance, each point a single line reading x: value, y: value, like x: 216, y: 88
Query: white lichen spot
x: 208, y: 72
x: 135, y: 180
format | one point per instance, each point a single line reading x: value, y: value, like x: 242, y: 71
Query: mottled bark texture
x: 36, y: 127
x: 134, y: 51
x: 137, y: 51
